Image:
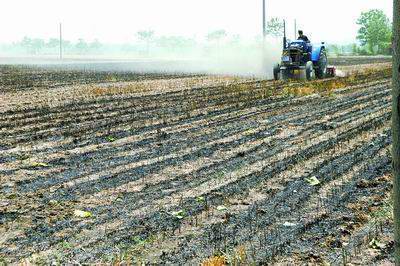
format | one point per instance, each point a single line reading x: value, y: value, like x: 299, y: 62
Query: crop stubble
x: 234, y: 157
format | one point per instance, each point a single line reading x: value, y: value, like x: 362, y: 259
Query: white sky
x: 117, y: 21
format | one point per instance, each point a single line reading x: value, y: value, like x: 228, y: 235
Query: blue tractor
x: 299, y: 56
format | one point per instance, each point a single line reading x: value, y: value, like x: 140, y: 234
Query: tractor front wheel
x: 309, y: 70
x: 277, y: 70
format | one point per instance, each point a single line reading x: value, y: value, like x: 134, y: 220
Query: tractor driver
x: 303, y: 37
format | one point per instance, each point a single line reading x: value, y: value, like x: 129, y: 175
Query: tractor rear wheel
x: 309, y: 70
x: 320, y: 72
x: 277, y: 70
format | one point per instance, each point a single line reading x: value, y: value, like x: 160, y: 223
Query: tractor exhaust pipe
x: 284, y: 34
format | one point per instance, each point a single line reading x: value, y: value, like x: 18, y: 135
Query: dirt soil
x: 178, y: 170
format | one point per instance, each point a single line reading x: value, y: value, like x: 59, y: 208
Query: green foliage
x: 235, y: 40
x: 348, y: 49
x: 147, y: 42
x: 66, y: 245
x: 313, y: 181
x: 82, y: 214
x: 138, y: 241
x: 174, y: 43
x: 145, y: 35
x: 334, y: 49
x: 384, y: 212
x: 200, y: 199
x: 2, y: 260
x: 32, y: 46
x: 40, y: 46
x: 110, y: 139
x: 217, y: 35
x: 38, y: 164
x: 275, y: 27
x: 179, y: 214
x: 375, y: 244
x: 95, y: 45
x: 53, y: 43
x: 221, y: 208
x: 375, y: 31
x: 82, y: 46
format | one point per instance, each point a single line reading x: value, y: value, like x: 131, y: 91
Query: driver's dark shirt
x: 304, y: 38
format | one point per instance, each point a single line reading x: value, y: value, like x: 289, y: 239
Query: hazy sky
x: 117, y: 21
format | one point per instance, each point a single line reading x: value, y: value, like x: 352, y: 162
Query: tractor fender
x: 316, y: 52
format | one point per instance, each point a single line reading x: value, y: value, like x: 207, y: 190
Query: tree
x: 37, y: 45
x: 275, y: 27
x: 146, y: 36
x: 67, y: 46
x: 216, y: 36
x: 235, y: 40
x: 175, y: 43
x: 53, y: 45
x: 354, y: 49
x: 26, y: 43
x: 95, y: 46
x: 334, y: 49
x: 375, y: 30
x: 396, y: 125
x: 82, y: 46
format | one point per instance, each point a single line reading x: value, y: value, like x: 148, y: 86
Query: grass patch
x: 384, y: 213
x: 328, y: 86
x: 235, y: 257
x: 215, y: 261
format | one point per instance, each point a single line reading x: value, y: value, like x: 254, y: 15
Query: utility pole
x: 264, y: 21
x: 396, y: 127
x: 61, y: 56
x: 295, y: 29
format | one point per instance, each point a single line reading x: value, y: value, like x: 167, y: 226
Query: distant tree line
x: 37, y: 46
x: 146, y: 43
x: 374, y: 37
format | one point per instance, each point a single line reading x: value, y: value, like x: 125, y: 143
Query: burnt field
x: 20, y: 77
x: 195, y: 169
x: 359, y: 60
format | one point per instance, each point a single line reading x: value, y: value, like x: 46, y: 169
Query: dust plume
x: 242, y: 58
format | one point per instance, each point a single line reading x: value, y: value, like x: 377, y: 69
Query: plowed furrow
x: 251, y: 180
x: 263, y: 230
x: 214, y: 95
x: 108, y: 110
x: 242, y: 116
x: 165, y: 149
